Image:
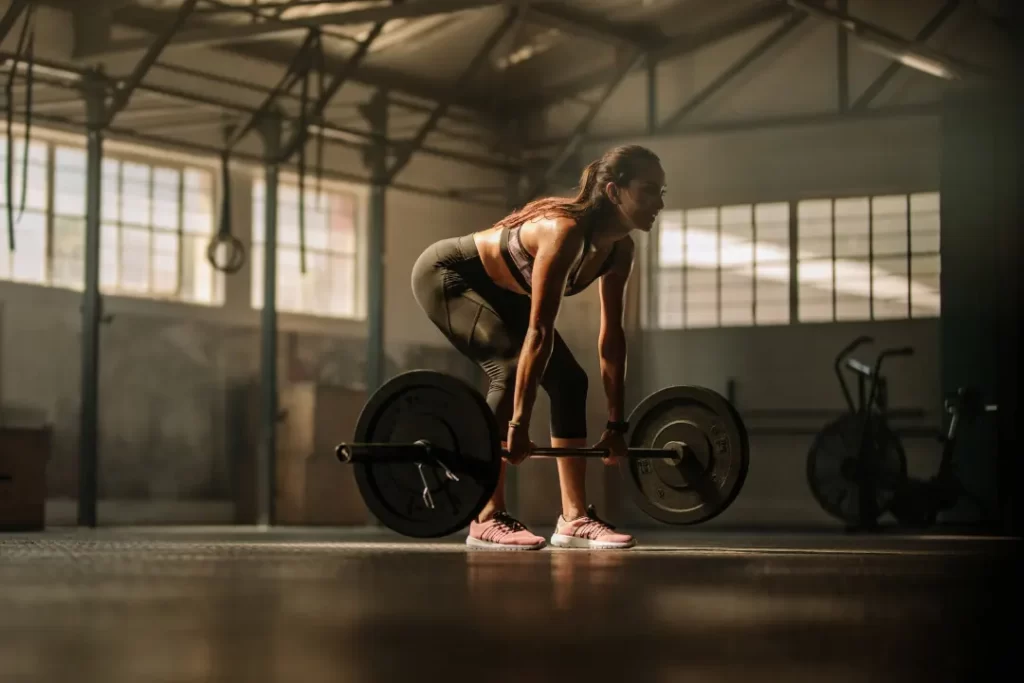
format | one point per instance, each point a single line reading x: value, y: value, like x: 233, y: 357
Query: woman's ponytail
x: 587, y: 181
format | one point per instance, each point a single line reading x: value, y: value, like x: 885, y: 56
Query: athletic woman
x: 495, y: 295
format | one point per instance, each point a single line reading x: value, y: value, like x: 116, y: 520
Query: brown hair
x: 618, y: 165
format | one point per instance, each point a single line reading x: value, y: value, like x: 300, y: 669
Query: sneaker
x: 589, y: 531
x: 502, y: 532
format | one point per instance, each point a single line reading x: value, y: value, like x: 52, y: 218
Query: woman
x: 495, y: 295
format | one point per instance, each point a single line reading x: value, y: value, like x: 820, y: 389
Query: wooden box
x: 24, y: 453
x: 313, y: 488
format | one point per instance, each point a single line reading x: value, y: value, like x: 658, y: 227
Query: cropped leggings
x: 488, y: 324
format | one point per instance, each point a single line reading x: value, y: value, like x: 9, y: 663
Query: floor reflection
x: 119, y: 606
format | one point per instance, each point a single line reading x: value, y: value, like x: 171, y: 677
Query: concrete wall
x: 774, y: 367
x: 178, y: 381
x: 784, y: 367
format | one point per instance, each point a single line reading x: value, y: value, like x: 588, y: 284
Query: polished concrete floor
x: 307, y: 606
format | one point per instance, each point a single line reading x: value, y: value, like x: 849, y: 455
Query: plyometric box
x: 313, y: 488
x: 24, y: 453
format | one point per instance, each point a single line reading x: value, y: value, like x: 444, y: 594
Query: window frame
x: 361, y: 196
x: 124, y: 152
x: 650, y: 282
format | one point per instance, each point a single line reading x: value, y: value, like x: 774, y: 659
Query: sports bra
x: 520, y: 261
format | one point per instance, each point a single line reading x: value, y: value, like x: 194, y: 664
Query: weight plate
x: 712, y: 431
x: 447, y: 412
x: 833, y: 466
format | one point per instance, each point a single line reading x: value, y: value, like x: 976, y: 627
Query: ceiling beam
x: 150, y: 19
x: 213, y: 34
x: 880, y: 39
x: 740, y: 65
x: 878, y: 85
x: 65, y: 76
x: 184, y: 144
x: 926, y: 109
x: 669, y: 48
x: 569, y: 146
x: 11, y: 16
x: 123, y: 93
x: 436, y: 115
x: 588, y: 25
x: 299, y: 137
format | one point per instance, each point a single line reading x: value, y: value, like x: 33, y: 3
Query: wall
x: 178, y: 349
x: 178, y: 381
x: 785, y: 367
x: 777, y: 367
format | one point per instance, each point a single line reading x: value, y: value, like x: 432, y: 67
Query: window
x: 868, y: 258
x: 27, y: 263
x: 329, y: 286
x: 723, y: 266
x: 857, y: 258
x: 156, y: 223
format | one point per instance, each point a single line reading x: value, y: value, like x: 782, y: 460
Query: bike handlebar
x: 837, y: 366
x: 863, y: 369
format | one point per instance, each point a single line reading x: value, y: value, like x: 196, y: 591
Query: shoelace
x: 506, y: 522
x: 594, y: 526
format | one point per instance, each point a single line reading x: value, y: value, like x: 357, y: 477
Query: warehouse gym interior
x: 631, y: 340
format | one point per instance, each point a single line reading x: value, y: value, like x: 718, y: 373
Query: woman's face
x: 640, y: 201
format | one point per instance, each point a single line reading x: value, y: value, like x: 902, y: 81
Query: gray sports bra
x: 520, y: 262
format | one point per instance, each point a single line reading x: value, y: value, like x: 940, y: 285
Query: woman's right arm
x: 558, y: 248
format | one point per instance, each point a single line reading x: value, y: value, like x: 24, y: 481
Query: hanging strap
x: 29, y: 85
x: 29, y: 34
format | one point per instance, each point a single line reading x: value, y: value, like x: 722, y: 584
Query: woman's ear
x: 612, y: 190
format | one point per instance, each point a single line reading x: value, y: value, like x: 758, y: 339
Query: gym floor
x: 233, y: 604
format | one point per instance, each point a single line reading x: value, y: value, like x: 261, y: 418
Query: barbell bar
x: 417, y: 451
x: 426, y: 454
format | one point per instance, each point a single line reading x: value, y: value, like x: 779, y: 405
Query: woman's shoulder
x: 557, y: 226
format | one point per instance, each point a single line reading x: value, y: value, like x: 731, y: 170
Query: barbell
x: 427, y: 454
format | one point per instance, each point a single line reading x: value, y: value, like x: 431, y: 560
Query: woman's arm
x: 611, y: 340
x: 559, y: 245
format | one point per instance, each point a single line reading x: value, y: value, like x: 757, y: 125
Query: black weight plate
x: 833, y: 466
x: 447, y: 412
x: 713, y: 431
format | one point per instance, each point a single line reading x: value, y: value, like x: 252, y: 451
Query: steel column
x: 376, y: 112
x: 266, y: 466
x: 92, y: 307
x: 652, y: 94
x: 843, y: 63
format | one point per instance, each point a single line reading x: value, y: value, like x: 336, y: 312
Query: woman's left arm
x: 611, y: 340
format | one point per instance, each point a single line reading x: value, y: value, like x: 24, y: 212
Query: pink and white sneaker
x: 502, y: 532
x: 589, y: 531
